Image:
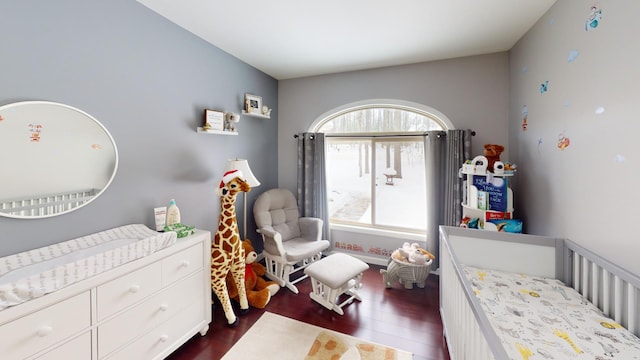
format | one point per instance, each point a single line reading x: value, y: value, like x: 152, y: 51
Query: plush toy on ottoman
x: 259, y: 291
x: 408, y: 265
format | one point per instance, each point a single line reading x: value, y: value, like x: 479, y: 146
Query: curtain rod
x: 473, y: 133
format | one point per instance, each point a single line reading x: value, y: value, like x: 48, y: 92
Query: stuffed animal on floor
x: 259, y: 291
x: 415, y: 254
x: 492, y: 153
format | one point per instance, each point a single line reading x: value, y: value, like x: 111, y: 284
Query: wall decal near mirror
x: 55, y: 159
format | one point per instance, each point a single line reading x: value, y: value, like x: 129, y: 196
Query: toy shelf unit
x: 487, y: 196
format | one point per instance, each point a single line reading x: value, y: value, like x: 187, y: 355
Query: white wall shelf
x: 217, y: 132
x: 244, y: 112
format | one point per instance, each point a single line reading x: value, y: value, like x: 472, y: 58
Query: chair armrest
x: 311, y: 228
x: 272, y: 241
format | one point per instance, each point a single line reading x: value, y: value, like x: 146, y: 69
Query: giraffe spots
x: 227, y: 247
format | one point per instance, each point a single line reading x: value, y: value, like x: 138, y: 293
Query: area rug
x: 277, y: 337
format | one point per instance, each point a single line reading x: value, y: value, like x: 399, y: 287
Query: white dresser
x: 144, y: 309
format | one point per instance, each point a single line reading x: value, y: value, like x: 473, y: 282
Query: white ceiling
x: 296, y: 38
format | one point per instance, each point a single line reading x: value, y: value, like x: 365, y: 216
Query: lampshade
x: 243, y: 166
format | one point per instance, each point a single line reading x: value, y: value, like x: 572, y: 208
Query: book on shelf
x: 496, y: 191
x: 497, y: 215
x: 483, y: 197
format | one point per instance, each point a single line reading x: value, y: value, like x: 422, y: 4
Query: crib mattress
x: 37, y: 272
x: 542, y: 318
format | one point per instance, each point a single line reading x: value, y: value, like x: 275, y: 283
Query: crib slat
x: 632, y: 302
x: 618, y: 300
x: 606, y: 292
x: 585, y: 278
x: 595, y: 291
x: 576, y: 272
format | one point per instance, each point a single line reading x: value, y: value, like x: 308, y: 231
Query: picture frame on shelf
x: 253, y: 104
x: 213, y: 120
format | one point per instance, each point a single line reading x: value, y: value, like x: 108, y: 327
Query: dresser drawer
x: 182, y: 264
x: 33, y: 333
x: 127, y: 290
x: 168, y: 335
x: 149, y: 314
x: 76, y: 349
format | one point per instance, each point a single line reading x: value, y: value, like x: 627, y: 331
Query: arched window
x: 375, y: 163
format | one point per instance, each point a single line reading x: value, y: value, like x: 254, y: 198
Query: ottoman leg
x: 325, y: 296
x: 333, y: 297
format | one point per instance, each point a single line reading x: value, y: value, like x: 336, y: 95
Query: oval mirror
x: 55, y: 159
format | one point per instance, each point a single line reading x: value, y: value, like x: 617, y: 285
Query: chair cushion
x: 300, y: 249
x: 288, y: 229
x: 278, y: 208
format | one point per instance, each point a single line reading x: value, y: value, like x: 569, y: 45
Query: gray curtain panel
x: 434, y: 150
x: 445, y: 152
x: 312, y: 181
x: 458, y: 150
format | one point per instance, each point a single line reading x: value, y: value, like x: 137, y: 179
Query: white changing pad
x: 33, y: 273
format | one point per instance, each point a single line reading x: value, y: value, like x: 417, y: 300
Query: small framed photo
x: 213, y: 120
x: 252, y: 103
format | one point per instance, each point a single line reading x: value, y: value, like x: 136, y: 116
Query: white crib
x: 467, y: 329
x: 47, y: 205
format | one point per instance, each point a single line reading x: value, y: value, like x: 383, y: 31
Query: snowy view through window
x: 375, y: 171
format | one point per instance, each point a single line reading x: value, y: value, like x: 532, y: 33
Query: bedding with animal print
x: 541, y: 318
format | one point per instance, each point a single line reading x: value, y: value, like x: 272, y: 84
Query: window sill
x: 379, y: 232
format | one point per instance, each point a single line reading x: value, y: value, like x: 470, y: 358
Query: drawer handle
x: 44, y: 331
x: 164, y: 338
x: 185, y: 263
x: 134, y: 289
x: 164, y: 307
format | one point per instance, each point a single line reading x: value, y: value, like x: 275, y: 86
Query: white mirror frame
x: 52, y: 137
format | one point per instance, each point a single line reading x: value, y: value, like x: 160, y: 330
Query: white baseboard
x: 368, y: 259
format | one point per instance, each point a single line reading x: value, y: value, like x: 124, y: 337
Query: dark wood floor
x: 397, y: 317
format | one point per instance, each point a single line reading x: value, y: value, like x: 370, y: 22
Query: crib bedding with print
x: 32, y: 274
x: 516, y: 296
x: 537, y: 315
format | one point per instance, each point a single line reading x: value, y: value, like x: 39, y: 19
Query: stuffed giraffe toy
x: 227, y: 254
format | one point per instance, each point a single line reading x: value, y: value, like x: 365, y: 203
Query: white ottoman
x: 333, y: 276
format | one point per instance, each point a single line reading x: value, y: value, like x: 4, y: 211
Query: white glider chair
x: 291, y: 242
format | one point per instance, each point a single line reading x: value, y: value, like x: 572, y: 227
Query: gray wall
x: 471, y: 92
x: 147, y: 81
x: 585, y: 192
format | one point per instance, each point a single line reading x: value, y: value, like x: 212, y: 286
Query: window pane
x: 349, y: 179
x: 400, y: 199
x: 363, y: 144
x: 380, y: 120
